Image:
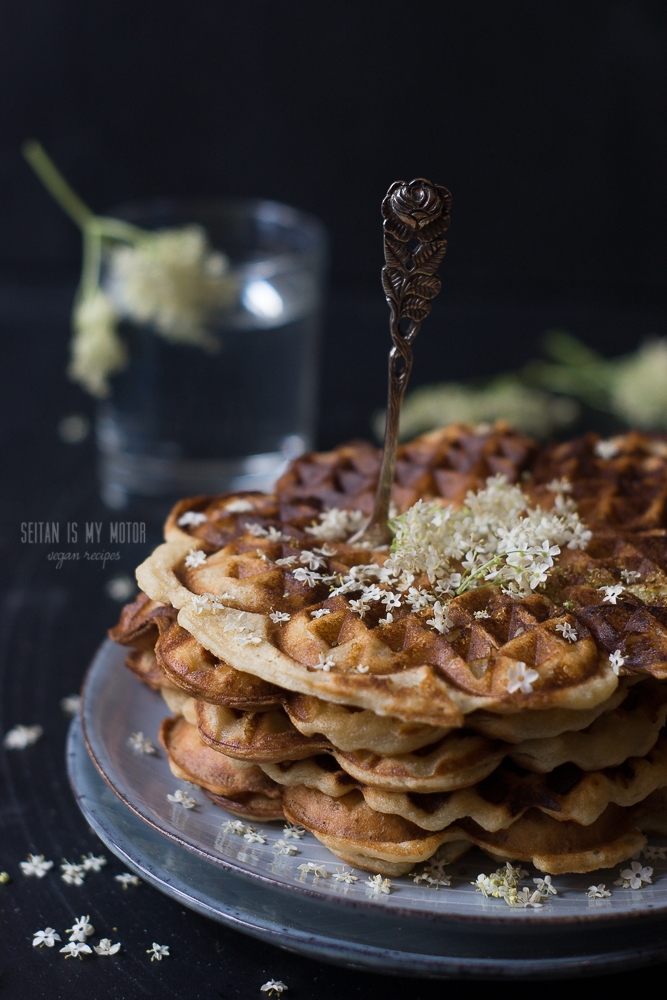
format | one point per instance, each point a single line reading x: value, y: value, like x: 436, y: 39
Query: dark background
x: 547, y: 122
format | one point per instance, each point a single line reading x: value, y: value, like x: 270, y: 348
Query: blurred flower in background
x: 529, y: 409
x: 546, y: 396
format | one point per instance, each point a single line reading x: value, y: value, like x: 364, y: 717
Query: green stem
x: 463, y: 586
x: 56, y: 185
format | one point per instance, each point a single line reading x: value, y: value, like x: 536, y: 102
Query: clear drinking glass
x: 182, y: 421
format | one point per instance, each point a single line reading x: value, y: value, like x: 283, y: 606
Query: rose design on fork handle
x: 416, y: 215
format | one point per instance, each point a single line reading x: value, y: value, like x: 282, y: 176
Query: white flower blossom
x: 343, y: 875
x: 362, y: 668
x: 635, y: 876
x: 310, y: 868
x: 311, y: 560
x: 565, y: 628
x: 630, y: 576
x: 96, y: 350
x: 21, y: 737
x: 191, y: 517
x: 126, y: 879
x: 282, y: 847
x: 559, y: 486
x: 158, y: 951
x: 105, y: 947
x: 70, y: 704
x: 181, y: 798
x: 174, y: 281
x: 254, y: 837
x: 325, y: 551
x: 526, y: 898
x: 141, y: 744
x: 47, y: 937
x: 419, y: 599
x: 307, y: 576
x: 200, y: 602
x: 324, y: 663
x: 503, y: 884
x: 239, y: 506
x: 611, y: 593
x: 291, y: 831
x: 616, y: 659
x: 598, y: 891
x: 235, y: 826
x: 544, y: 886
x: 441, y: 621
x: 481, y: 614
x: 387, y: 620
x: 337, y: 525
x: 378, y: 884
x: 92, y: 863
x: 279, y: 616
x: 286, y: 561
x: 76, y: 949
x: 606, y: 449
x: 654, y: 853
x: 80, y: 929
x: 521, y: 678
x: 36, y: 865
x: 72, y: 873
x: 271, y: 533
x: 497, y: 536
x: 274, y: 987
x: 195, y: 558
x: 320, y: 613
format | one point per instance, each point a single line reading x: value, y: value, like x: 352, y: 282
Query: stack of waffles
x: 496, y: 679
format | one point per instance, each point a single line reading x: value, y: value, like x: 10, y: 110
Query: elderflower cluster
x: 337, y: 525
x: 172, y: 280
x: 504, y: 884
x: 496, y: 537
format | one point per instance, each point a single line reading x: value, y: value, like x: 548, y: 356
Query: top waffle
x: 621, y: 483
x: 319, y: 645
x: 444, y: 463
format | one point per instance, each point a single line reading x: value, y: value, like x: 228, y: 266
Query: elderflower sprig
x: 495, y: 537
x: 169, y: 279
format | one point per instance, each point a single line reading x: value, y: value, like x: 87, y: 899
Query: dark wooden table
x: 51, y: 621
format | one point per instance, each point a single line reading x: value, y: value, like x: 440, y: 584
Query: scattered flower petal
x: 47, y: 937
x: 105, y: 947
x: 76, y: 949
x: 191, y: 517
x: 36, y: 865
x: 378, y: 884
x: 158, y: 951
x: 274, y: 987
x: 70, y: 704
x: 21, y: 737
x: 181, y: 798
x: 141, y: 744
x: 91, y: 863
x: 598, y: 891
x: 127, y: 878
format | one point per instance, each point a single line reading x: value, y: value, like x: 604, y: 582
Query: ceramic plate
x: 438, y: 925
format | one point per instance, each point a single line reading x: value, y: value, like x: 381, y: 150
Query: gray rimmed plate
x: 415, y: 929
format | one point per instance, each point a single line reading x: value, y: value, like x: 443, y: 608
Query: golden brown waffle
x: 499, y: 800
x: 445, y: 463
x: 246, y: 791
x: 392, y: 845
x: 185, y: 665
x: 618, y: 483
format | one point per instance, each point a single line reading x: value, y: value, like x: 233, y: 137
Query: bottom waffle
x: 392, y: 845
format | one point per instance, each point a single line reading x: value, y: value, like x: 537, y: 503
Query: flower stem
x: 56, y: 185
